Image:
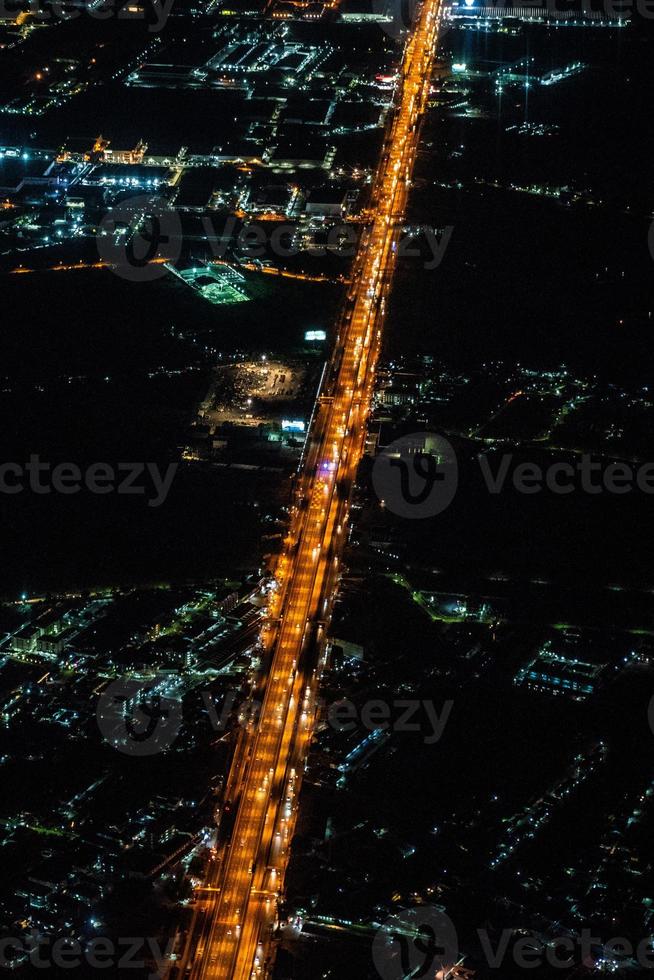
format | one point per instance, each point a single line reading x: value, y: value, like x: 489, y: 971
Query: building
x: 550, y: 672
x: 345, y: 649
x: 291, y: 153
x: 327, y: 202
x: 24, y: 641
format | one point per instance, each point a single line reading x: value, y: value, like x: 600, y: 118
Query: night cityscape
x: 327, y: 489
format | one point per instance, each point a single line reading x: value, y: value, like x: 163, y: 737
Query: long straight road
x: 231, y: 938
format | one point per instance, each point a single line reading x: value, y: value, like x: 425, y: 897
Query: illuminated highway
x: 230, y: 937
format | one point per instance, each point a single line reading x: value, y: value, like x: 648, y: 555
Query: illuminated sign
x: 315, y: 335
x: 292, y: 425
